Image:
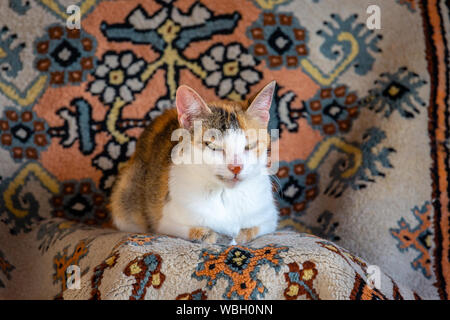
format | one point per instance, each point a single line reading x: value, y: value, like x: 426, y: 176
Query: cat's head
x: 228, y: 141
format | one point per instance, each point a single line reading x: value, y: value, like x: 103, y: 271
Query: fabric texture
x: 363, y: 120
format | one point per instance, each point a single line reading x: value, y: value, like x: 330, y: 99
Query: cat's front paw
x: 203, y: 234
x: 247, y: 234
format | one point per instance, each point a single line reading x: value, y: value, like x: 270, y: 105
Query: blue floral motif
x: 80, y: 201
x: 169, y: 32
x: 332, y: 110
x: 66, y: 55
x: 365, y: 38
x: 366, y: 170
x: 9, y: 60
x: 279, y: 39
x: 23, y: 134
x: 396, y: 92
x: 78, y: 125
x: 298, y: 186
x: 20, y: 6
x: 26, y: 198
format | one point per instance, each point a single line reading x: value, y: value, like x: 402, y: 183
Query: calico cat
x: 229, y: 192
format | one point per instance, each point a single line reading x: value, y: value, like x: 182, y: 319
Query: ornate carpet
x: 363, y: 119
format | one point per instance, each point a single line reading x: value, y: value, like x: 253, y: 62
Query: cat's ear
x: 260, y: 106
x: 190, y: 106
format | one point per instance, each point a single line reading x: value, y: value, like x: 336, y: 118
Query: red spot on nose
x: 236, y: 169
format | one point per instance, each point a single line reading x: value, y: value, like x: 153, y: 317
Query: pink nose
x: 235, y: 168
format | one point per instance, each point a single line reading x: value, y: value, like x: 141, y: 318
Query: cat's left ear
x: 190, y: 106
x: 260, y: 106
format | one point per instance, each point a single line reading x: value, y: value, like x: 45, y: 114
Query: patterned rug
x: 364, y: 144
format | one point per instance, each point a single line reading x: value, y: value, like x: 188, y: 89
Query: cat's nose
x: 236, y: 169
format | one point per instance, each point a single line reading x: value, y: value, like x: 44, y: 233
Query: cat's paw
x: 247, y: 234
x: 203, y: 234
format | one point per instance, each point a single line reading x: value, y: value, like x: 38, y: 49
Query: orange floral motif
x: 135, y: 240
x: 239, y: 266
x: 362, y: 291
x: 62, y: 261
x: 140, y: 239
x: 418, y: 238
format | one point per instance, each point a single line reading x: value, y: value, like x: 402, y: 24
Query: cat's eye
x: 251, y: 146
x: 213, y: 146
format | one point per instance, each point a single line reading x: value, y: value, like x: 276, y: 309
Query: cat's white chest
x: 234, y: 209
x: 225, y: 210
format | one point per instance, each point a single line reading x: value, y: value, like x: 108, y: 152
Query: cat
x: 228, y: 193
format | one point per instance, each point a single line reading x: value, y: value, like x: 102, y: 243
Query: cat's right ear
x: 190, y: 106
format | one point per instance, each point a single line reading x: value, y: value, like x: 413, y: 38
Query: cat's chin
x: 229, y: 183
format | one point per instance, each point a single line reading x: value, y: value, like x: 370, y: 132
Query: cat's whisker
x: 277, y: 181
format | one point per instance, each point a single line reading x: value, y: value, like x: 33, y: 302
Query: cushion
x: 75, y: 261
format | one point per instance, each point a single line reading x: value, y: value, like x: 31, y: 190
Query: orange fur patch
x: 246, y: 235
x: 197, y: 233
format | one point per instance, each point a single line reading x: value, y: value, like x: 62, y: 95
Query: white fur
x: 199, y: 199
